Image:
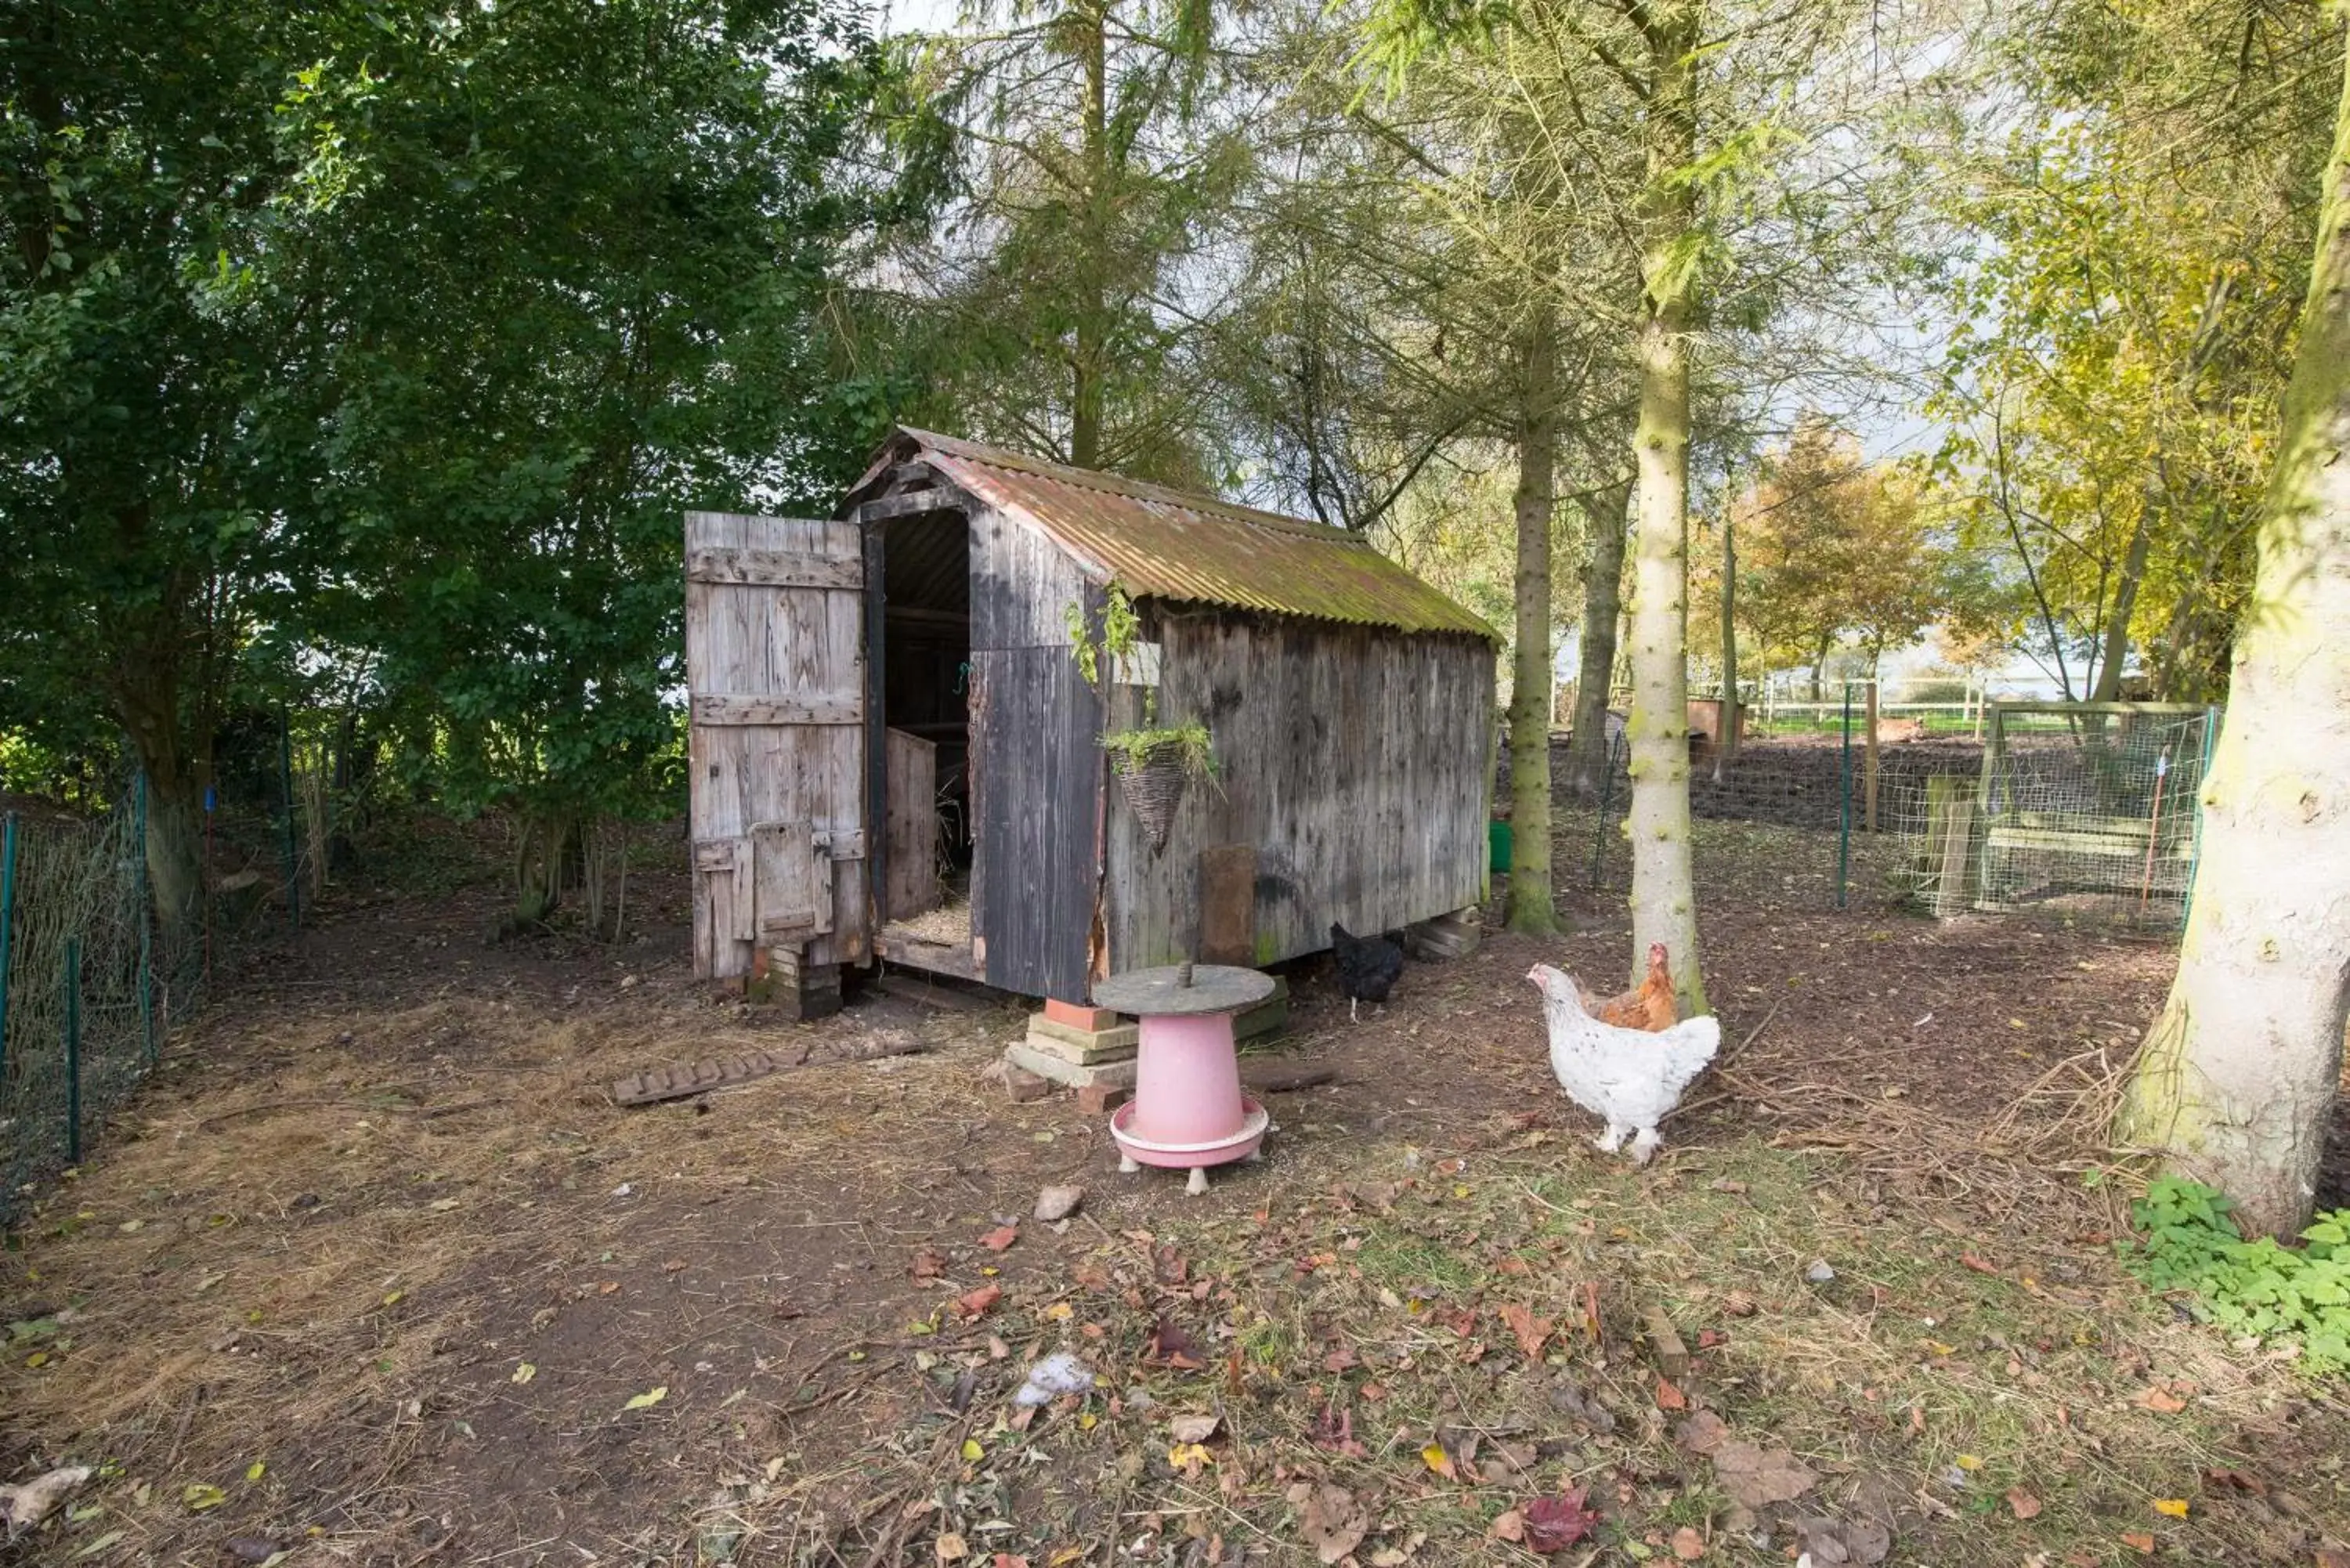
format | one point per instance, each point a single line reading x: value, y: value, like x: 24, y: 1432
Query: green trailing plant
x: 2190, y: 1241
x: 1098, y: 654
x: 1130, y: 749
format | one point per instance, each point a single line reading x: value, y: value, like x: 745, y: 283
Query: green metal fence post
x: 145, y: 916
x: 7, y: 923
x: 1607, y: 793
x: 1844, y: 803
x: 285, y: 781
x: 73, y: 1050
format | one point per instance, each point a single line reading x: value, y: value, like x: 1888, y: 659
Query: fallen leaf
x: 1168, y: 1265
x: 1342, y: 1359
x: 1857, y: 1542
x: 1979, y: 1265
x: 1531, y: 1331
x: 1702, y: 1433
x: 646, y: 1400
x: 1193, y: 1428
x: 1332, y: 1520
x: 2175, y: 1506
x: 1756, y: 1477
x: 1968, y: 1463
x: 2161, y: 1400
x: 1189, y: 1456
x: 199, y: 1497
x: 1556, y: 1523
x: 1687, y: 1544
x: 949, y: 1547
x: 1003, y: 1236
x: 1726, y: 1184
x: 2022, y: 1503
x: 524, y: 1372
x: 1434, y: 1457
x: 2237, y: 1480
x: 1335, y: 1430
x: 257, y: 1469
x: 1510, y: 1525
x: 972, y: 1304
x: 2139, y: 1540
x: 1670, y: 1397
x: 1171, y: 1346
x: 927, y: 1264
x: 972, y: 1451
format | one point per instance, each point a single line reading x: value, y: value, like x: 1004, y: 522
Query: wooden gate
x: 775, y: 676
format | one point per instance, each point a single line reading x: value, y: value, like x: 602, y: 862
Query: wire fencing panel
x: 2082, y: 811
x: 90, y: 985
x: 76, y: 1022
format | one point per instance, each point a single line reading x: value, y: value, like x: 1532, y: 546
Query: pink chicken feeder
x: 1188, y: 1112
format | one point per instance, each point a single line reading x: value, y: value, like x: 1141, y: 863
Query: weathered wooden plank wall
x: 1036, y: 764
x: 912, y: 868
x: 795, y: 753
x: 1354, y: 762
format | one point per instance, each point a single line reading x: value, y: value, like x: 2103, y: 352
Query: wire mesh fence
x: 90, y: 982
x: 2078, y: 811
x: 2069, y: 810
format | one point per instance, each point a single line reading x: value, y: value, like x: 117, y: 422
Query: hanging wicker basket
x: 1153, y: 786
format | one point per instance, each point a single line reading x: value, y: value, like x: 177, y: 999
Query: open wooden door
x: 775, y: 676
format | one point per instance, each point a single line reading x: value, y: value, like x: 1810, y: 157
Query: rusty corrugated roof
x: 1164, y: 543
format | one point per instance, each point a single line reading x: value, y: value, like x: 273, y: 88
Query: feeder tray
x: 1181, y: 991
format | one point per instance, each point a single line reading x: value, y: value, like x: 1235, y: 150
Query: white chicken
x: 1629, y: 1076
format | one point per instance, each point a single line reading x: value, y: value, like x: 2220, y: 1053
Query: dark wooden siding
x: 1036, y: 765
x: 1354, y: 762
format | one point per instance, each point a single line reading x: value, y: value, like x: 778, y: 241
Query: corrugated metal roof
x: 1164, y: 543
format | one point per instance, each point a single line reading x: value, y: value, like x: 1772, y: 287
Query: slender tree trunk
x: 2237, y: 1078
x: 1664, y: 900
x: 1530, y: 908
x: 1603, y: 604
x: 1724, y: 752
x: 148, y: 699
x: 2108, y: 685
x: 1093, y: 265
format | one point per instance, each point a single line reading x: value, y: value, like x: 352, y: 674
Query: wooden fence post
x: 1868, y: 767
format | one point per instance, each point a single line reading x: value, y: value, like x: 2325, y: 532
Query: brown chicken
x: 1648, y: 1006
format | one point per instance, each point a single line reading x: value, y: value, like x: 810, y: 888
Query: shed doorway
x: 925, y: 700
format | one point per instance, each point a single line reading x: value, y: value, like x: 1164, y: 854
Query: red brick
x: 1100, y: 1099
x: 1025, y: 1086
x: 1077, y: 1017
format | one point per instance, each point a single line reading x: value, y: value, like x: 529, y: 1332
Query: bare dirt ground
x: 375, y: 1274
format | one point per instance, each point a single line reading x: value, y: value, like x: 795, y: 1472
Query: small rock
x: 1819, y: 1274
x: 1058, y: 1202
x: 249, y: 1548
x: 307, y: 1201
x: 627, y: 981
x: 1024, y: 1087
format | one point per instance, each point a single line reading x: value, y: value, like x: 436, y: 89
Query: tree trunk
x: 1664, y: 903
x: 2237, y: 1078
x: 1530, y: 908
x: 1603, y: 603
x: 1093, y: 263
x: 1726, y: 747
x: 2108, y: 686
x: 147, y: 698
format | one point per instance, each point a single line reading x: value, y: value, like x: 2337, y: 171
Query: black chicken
x: 1368, y: 967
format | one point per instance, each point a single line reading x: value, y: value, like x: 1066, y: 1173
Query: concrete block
x: 1080, y: 1045
x: 1115, y: 1075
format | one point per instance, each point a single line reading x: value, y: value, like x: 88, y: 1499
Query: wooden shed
x: 896, y: 755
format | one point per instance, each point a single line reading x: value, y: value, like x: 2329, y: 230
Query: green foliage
x: 1121, y: 629
x: 1191, y: 743
x: 2302, y: 1295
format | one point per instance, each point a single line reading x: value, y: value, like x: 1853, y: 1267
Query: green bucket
x: 1497, y: 842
